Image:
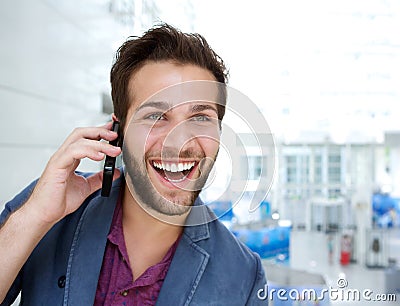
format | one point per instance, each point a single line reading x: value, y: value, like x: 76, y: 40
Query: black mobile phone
x: 109, y: 164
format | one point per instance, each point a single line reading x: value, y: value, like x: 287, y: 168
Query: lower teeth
x: 175, y: 181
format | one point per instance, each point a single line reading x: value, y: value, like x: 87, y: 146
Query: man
x: 62, y: 243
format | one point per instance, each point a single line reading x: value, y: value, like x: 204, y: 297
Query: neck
x: 148, y: 224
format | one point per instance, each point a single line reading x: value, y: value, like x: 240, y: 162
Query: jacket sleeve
x: 257, y: 295
x: 9, y: 208
x: 16, y: 202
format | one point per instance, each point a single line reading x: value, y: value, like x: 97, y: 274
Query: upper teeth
x: 174, y: 167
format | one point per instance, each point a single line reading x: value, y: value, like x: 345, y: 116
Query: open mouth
x: 173, y: 172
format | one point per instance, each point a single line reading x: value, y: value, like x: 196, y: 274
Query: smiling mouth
x: 173, y: 172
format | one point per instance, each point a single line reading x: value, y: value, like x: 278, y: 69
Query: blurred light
x: 342, y: 275
x: 386, y: 189
x: 275, y: 215
x: 284, y: 223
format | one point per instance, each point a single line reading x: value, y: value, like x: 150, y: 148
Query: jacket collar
x: 190, y: 259
x: 197, y: 222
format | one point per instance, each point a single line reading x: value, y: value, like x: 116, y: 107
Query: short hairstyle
x: 161, y: 43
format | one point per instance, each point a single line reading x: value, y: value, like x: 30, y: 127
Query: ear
x: 114, y: 118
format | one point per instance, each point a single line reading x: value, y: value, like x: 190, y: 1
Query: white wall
x: 55, y: 58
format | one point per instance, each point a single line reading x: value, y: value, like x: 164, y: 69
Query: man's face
x: 172, y: 135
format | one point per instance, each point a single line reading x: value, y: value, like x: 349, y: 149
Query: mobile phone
x: 109, y: 164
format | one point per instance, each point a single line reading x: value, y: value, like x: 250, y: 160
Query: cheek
x: 210, y: 146
x: 153, y: 142
x: 138, y: 140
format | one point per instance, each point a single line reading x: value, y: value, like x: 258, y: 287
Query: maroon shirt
x: 115, y: 286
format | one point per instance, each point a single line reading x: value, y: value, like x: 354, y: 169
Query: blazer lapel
x: 184, y: 274
x: 187, y: 266
x: 87, y: 249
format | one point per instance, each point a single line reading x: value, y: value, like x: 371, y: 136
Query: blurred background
x: 325, y: 74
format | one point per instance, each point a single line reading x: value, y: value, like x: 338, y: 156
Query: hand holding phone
x: 109, y: 164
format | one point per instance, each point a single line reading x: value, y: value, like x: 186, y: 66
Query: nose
x: 179, y: 138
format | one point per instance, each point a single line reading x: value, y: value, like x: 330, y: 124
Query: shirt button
x: 61, y: 281
x: 124, y: 293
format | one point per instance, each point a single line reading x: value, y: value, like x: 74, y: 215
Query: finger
x: 94, y: 133
x: 85, y: 148
x: 95, y: 181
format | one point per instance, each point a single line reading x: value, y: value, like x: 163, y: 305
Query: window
x: 257, y: 166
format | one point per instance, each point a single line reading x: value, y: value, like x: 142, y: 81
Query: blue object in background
x: 385, y: 210
x: 268, y: 242
x: 265, y: 210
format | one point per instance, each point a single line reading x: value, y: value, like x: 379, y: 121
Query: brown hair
x: 161, y: 43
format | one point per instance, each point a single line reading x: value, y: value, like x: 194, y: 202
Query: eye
x: 155, y: 116
x: 201, y: 118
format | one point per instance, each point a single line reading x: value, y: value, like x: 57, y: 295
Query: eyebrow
x: 202, y: 107
x: 162, y: 105
x: 165, y: 106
